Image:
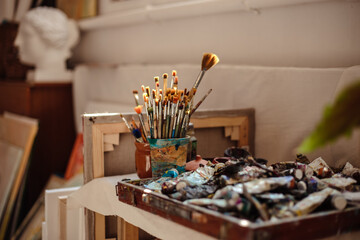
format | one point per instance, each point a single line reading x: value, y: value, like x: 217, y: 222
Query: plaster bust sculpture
x: 45, y: 39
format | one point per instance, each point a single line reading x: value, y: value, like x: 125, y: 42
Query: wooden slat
x: 235, y: 134
x: 217, y: 122
x: 244, y: 133
x: 62, y: 213
x: 99, y: 226
x: 126, y: 231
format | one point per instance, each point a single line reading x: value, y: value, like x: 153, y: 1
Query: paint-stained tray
x: 220, y: 226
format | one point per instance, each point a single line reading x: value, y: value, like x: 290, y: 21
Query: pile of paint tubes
x: 247, y: 188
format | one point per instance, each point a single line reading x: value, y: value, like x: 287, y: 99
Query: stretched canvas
x: 10, y: 158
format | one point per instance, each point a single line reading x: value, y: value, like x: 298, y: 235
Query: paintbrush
x: 136, y: 97
x: 126, y: 122
x: 209, y: 60
x: 173, y: 73
x: 138, y: 110
x: 136, y: 129
x: 157, y: 84
x: 165, y: 77
x: 151, y: 118
x: 168, y: 118
x: 136, y: 132
x: 163, y: 128
x: 200, y: 102
x: 178, y: 120
x: 160, y: 120
x: 173, y: 118
x: 175, y: 86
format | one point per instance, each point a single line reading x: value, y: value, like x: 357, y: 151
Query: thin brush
x: 164, y: 118
x: 200, y: 102
x: 176, y: 82
x: 165, y: 77
x: 160, y: 120
x: 173, y: 120
x: 136, y: 97
x: 136, y: 131
x: 173, y: 73
x: 157, y: 84
x: 138, y: 110
x: 178, y: 120
x: 151, y: 119
x: 126, y: 122
x: 168, y: 119
x: 185, y: 123
x: 209, y: 60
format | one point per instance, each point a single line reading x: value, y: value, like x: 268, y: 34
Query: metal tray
x: 221, y: 226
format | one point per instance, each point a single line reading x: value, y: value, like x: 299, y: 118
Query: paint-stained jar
x: 167, y: 154
x: 143, y: 160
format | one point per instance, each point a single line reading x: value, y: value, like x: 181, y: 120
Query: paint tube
x: 321, y: 168
x: 199, y: 176
x: 339, y: 182
x: 336, y: 201
x: 296, y: 173
x: 351, y: 171
x: 310, y: 203
x: 282, y: 166
x: 265, y: 184
x: 308, y: 171
x: 168, y: 187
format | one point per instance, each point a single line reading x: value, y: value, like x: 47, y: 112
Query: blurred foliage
x: 338, y: 119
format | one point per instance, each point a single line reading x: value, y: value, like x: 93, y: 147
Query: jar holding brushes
x: 162, y: 130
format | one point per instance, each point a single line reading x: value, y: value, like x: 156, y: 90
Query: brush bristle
x: 165, y: 75
x: 209, y: 60
x: 176, y: 80
x: 138, y: 109
x: 156, y: 79
x: 173, y: 73
x: 135, y: 92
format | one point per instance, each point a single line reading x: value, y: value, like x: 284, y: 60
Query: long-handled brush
x: 209, y: 60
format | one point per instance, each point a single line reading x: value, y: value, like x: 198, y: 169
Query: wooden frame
x: 96, y: 126
x: 21, y: 132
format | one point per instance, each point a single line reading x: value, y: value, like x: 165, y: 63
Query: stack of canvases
x: 17, y: 134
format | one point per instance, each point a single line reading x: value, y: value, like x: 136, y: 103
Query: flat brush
x: 200, y: 102
x: 209, y: 60
x: 136, y: 97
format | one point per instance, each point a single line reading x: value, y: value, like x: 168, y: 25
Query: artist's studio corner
x: 179, y: 119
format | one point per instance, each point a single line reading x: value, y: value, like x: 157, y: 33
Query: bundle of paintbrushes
x: 168, y: 110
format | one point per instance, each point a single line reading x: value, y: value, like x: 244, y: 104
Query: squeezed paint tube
x: 310, y: 203
x: 200, y: 176
x: 321, y: 168
x: 339, y: 182
x: 263, y: 185
x: 351, y: 171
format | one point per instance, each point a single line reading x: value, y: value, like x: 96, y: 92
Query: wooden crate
x: 220, y: 226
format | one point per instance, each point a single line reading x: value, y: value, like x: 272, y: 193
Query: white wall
x: 322, y: 34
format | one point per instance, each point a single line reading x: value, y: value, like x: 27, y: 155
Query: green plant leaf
x: 338, y: 119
